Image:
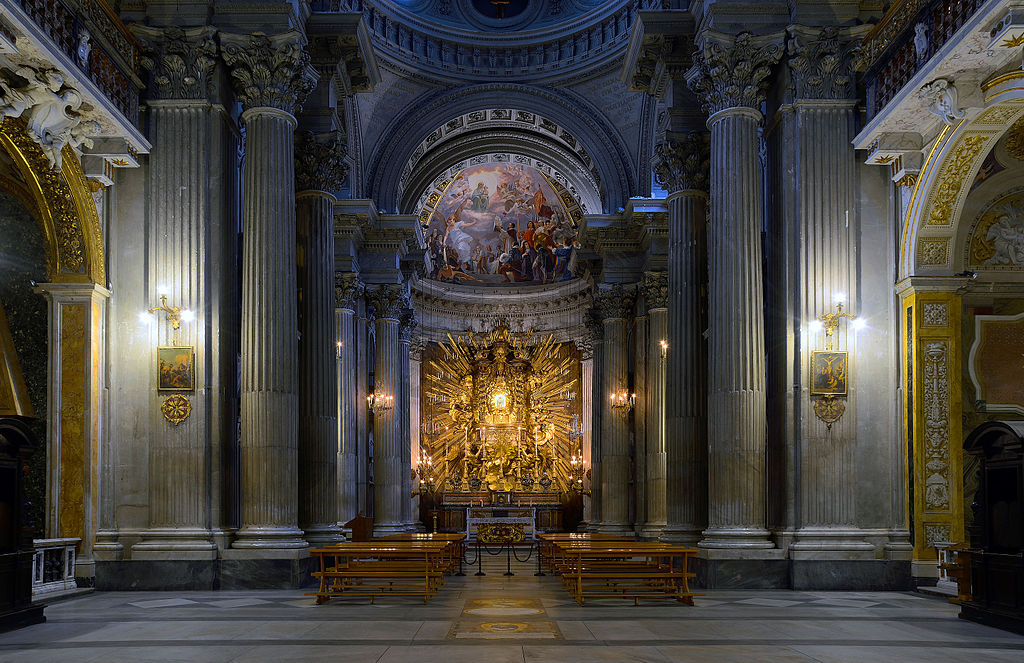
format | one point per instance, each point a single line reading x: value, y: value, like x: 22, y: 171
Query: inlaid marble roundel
x: 500, y: 223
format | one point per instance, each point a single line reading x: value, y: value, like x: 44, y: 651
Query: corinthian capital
x: 683, y: 162
x: 388, y: 301
x: 407, y: 324
x: 821, y: 62
x: 729, y: 72
x: 655, y: 288
x: 180, y: 61
x: 615, y: 301
x: 269, y: 70
x: 319, y: 161
x: 347, y: 289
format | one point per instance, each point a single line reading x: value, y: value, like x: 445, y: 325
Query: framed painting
x: 829, y: 373
x: 176, y: 368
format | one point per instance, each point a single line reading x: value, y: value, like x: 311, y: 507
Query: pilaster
x: 656, y: 292
x: 347, y: 291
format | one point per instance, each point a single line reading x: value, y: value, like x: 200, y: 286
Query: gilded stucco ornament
x: 50, y: 109
x: 269, y: 71
x: 319, y: 161
x: 180, y: 61
x: 1015, y: 140
x: 822, y: 64
x: 731, y: 73
x: 176, y: 408
x: 952, y: 179
x: 684, y: 162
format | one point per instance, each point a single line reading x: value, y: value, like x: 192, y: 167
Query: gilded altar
x: 501, y: 415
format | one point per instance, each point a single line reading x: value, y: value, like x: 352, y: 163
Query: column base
x: 386, y: 529
x: 830, y: 543
x: 620, y: 529
x: 270, y: 538
x: 322, y: 535
x: 681, y: 535
x: 650, y: 531
x: 165, y: 543
x: 107, y: 547
x: 746, y: 538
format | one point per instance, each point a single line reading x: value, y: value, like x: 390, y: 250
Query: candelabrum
x: 623, y: 401
x: 425, y: 471
x: 577, y: 471
x: 380, y: 402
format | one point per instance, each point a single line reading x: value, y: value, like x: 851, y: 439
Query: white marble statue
x: 921, y: 42
x: 51, y: 111
x: 1007, y: 237
x: 941, y: 96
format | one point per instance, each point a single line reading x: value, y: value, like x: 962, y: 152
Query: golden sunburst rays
x: 457, y: 417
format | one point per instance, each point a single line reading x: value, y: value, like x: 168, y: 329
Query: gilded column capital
x: 821, y: 62
x: 180, y: 61
x: 269, y: 71
x: 683, y: 162
x: 319, y: 161
x: 730, y: 72
x: 387, y: 301
x: 655, y: 289
x: 615, y: 301
x: 347, y: 290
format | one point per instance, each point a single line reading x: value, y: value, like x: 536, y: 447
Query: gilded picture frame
x: 829, y: 373
x: 176, y: 368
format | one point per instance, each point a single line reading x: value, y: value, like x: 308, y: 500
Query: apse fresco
x: 496, y: 224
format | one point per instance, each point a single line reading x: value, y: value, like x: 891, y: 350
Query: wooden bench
x: 377, y: 568
x: 596, y: 567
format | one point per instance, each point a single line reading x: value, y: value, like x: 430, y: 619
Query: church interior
x: 344, y: 328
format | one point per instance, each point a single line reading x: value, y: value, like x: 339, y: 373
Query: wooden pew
x: 598, y: 567
x: 378, y: 568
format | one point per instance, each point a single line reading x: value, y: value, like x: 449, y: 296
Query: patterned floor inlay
x: 494, y: 630
x: 503, y: 607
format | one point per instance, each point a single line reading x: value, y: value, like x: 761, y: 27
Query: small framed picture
x: 829, y: 373
x: 176, y: 368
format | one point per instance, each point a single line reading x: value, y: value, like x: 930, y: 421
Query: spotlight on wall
x: 859, y: 323
x: 146, y: 318
x: 664, y: 348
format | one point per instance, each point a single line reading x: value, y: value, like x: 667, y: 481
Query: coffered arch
x: 611, y: 167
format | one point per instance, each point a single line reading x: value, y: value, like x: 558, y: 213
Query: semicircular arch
x: 405, y: 134
x: 66, y: 212
x: 933, y: 222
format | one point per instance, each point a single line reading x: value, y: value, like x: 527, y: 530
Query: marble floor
x: 498, y: 619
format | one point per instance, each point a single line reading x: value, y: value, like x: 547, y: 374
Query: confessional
x: 16, y: 607
x: 997, y: 531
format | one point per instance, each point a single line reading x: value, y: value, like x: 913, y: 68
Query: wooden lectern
x: 362, y: 528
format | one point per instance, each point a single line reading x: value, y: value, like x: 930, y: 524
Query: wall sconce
x: 664, y: 348
x: 623, y: 401
x: 830, y: 367
x: 339, y: 350
x: 175, y: 315
x: 379, y: 402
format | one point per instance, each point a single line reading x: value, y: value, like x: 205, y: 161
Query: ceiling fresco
x: 500, y: 224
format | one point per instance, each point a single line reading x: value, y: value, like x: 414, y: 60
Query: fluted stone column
x: 655, y: 287
x: 682, y: 168
x: 586, y: 424
x: 615, y: 307
x: 415, y: 368
x: 347, y: 290
x: 271, y: 77
x: 728, y: 76
x: 407, y: 324
x: 821, y: 232
x: 388, y: 302
x: 595, y: 329
x: 319, y: 169
x: 187, y: 261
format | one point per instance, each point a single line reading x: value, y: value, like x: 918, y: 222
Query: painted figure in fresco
x: 481, y: 198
